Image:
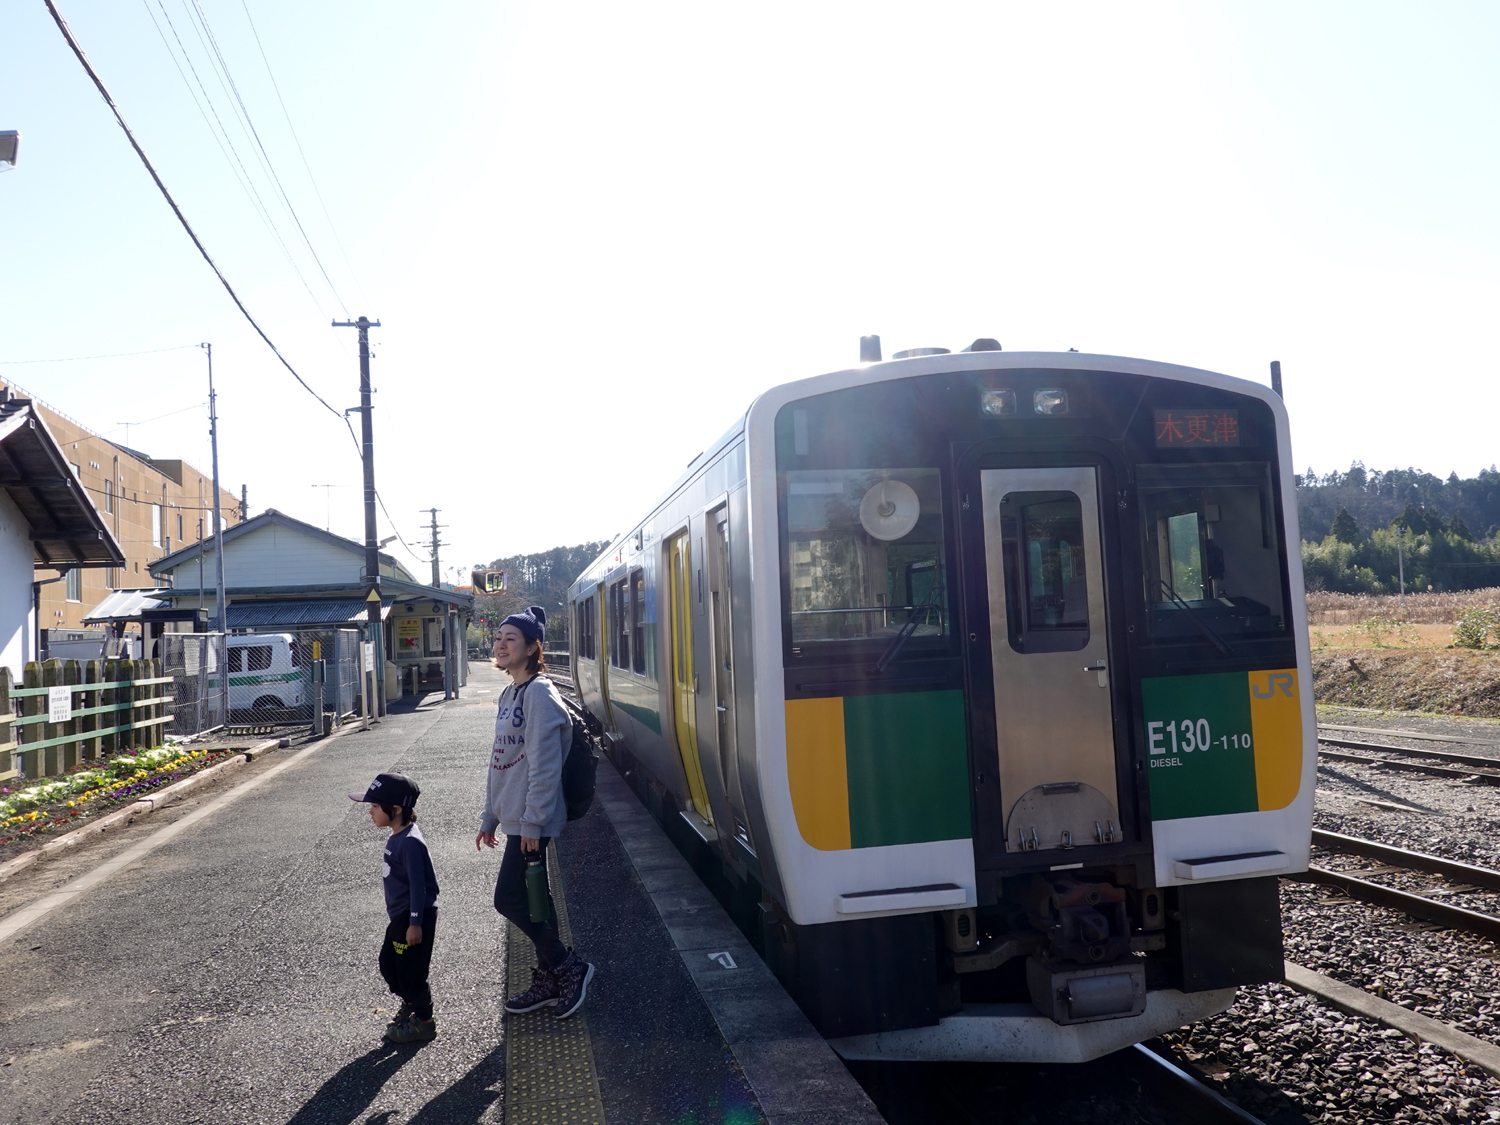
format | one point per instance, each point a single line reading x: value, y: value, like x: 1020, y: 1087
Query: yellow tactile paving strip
x: 549, y: 1063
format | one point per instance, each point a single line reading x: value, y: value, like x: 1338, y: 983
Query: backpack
x: 579, y: 763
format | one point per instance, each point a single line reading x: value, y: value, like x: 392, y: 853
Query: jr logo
x: 1276, y: 681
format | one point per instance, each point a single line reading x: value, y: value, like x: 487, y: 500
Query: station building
x: 150, y: 506
x: 282, y: 574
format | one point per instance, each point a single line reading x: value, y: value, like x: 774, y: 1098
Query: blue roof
x: 303, y: 611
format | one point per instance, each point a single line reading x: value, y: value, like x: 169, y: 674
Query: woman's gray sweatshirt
x: 532, y: 733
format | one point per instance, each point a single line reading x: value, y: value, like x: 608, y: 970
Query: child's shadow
x: 349, y: 1092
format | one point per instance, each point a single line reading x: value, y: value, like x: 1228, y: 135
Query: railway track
x: 1437, y: 763
x: 1422, y: 906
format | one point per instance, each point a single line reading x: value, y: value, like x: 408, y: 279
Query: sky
x: 594, y: 232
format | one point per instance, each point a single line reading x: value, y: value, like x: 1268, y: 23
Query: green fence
x: 115, y: 705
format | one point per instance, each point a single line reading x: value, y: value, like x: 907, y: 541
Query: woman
x: 524, y: 798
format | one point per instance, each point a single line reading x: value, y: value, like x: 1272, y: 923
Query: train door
x: 684, y: 679
x: 721, y: 638
x: 1049, y: 643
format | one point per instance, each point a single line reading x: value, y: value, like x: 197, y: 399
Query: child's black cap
x: 390, y: 789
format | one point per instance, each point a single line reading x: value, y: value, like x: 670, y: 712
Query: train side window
x: 638, y: 620
x: 619, y: 625
x: 587, y: 617
x: 1046, y: 586
x: 1212, y: 557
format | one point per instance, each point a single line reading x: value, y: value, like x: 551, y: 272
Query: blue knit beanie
x: 532, y: 623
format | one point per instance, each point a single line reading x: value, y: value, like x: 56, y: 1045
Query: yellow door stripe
x: 817, y: 771
x: 1276, y: 727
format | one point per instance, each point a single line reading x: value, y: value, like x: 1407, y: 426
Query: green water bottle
x: 536, y: 888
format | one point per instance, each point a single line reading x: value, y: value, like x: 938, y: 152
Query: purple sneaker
x: 543, y: 993
x: 572, y: 977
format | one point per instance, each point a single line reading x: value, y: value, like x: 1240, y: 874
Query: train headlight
x: 997, y: 402
x: 1053, y: 400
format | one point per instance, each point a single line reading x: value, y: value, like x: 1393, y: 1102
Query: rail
x: 1198, y: 1101
x: 1417, y: 905
x: 67, y: 712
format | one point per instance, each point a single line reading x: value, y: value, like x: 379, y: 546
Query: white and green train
x: 978, y: 684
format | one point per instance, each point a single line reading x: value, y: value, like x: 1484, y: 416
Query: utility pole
x: 372, y: 544
x: 244, y: 503
x: 437, y: 572
x: 221, y: 617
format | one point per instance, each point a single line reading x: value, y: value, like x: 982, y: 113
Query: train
x: 977, y: 683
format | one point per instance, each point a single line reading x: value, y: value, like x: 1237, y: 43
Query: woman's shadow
x: 346, y: 1095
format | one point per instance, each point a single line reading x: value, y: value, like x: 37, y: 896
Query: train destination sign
x: 1197, y: 427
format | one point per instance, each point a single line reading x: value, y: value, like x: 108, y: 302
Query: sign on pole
x: 367, y: 649
x: 60, y: 704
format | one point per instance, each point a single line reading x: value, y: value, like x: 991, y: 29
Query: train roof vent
x: 984, y: 344
x: 912, y: 353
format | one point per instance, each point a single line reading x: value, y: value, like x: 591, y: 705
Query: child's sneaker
x: 403, y: 1013
x: 413, y: 1029
x: 573, y: 977
x: 542, y: 993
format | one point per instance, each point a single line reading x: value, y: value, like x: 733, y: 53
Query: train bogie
x: 985, y: 679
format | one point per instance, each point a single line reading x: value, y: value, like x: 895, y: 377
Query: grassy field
x: 1390, y: 653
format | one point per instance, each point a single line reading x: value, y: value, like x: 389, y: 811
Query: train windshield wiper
x: 898, y: 642
x: 1197, y: 619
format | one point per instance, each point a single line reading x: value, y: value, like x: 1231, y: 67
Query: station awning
x: 126, y: 605
x: 302, y: 613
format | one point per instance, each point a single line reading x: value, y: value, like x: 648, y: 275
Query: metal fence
x: 193, y: 661
x: 271, y: 676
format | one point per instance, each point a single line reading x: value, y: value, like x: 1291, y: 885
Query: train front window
x: 865, y: 555
x: 1211, y: 550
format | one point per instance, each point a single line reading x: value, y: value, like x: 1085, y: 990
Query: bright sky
x: 595, y: 231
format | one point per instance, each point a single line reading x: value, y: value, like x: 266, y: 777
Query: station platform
x: 217, y: 963
x: 684, y: 1022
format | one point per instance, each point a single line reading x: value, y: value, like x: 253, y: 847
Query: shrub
x: 1473, y: 626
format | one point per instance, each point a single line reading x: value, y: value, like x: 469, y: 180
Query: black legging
x: 510, y: 900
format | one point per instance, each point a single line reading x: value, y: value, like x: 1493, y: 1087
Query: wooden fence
x: 115, y: 705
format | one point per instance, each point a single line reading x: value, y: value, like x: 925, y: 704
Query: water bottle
x: 536, y: 888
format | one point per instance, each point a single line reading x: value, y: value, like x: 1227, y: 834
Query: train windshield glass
x: 1211, y: 550
x: 865, y: 555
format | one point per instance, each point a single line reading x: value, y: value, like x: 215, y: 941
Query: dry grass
x: 1420, y: 609
x: 1406, y: 636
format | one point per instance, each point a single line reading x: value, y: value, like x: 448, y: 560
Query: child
x: 411, y: 892
x: 524, y: 799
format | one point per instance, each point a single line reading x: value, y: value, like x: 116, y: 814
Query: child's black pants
x: 404, y: 967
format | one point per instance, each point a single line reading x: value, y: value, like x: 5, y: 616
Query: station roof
x: 66, y: 529
x: 302, y: 612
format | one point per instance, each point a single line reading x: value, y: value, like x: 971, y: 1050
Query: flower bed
x: 26, y: 811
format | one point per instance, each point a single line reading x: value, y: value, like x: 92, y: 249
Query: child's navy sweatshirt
x: 410, y: 882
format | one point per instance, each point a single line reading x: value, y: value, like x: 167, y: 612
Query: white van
x: 265, y: 672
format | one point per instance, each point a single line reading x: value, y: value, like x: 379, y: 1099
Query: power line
x: 111, y: 355
x: 222, y: 138
x: 333, y: 229
x: 266, y: 156
x: 62, y: 25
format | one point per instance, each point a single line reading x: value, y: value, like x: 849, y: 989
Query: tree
x: 1413, y: 519
x: 1457, y: 528
x: 1344, y: 529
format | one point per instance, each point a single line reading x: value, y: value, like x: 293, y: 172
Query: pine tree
x: 1344, y: 529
